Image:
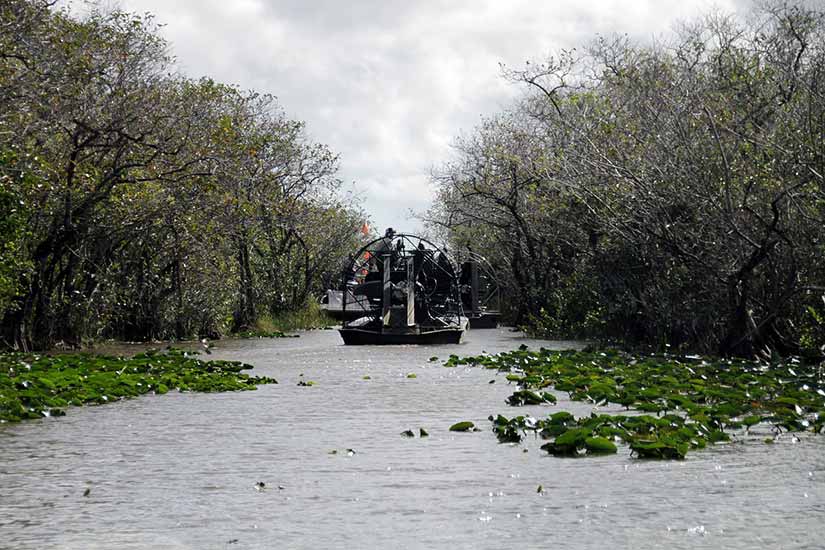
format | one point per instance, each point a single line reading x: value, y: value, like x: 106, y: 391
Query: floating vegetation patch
x: 32, y: 386
x: 421, y: 433
x: 678, y: 404
x: 528, y: 397
x: 464, y: 426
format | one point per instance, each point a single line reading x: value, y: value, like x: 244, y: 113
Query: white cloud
x: 388, y: 84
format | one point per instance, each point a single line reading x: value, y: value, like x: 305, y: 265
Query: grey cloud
x: 387, y: 84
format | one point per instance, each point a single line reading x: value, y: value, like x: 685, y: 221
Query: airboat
x: 403, y: 289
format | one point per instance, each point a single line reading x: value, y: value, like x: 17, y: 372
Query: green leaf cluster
x: 33, y: 386
x: 685, y: 402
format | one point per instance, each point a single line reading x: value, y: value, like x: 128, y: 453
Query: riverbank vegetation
x: 34, y: 386
x: 674, y: 404
x: 666, y: 194
x: 310, y: 317
x: 139, y: 204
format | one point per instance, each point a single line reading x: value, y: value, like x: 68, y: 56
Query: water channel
x: 179, y: 471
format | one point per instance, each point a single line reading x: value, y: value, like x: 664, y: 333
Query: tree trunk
x: 244, y: 316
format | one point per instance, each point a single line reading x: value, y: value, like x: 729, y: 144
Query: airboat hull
x: 485, y: 320
x: 361, y: 337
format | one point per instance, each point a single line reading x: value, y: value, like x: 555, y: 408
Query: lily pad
x: 599, y: 445
x: 464, y: 426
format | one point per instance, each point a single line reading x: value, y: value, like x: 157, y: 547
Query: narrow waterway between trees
x: 182, y: 470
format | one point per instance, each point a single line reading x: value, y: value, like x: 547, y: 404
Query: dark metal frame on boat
x: 480, y: 294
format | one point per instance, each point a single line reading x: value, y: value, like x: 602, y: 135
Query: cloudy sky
x: 388, y: 84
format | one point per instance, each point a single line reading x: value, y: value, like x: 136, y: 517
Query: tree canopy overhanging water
x: 659, y: 194
x: 656, y: 194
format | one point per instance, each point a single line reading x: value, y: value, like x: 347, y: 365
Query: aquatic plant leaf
x: 659, y: 449
x: 599, y: 445
x: 464, y: 426
x: 527, y: 397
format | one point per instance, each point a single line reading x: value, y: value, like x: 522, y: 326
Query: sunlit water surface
x: 180, y: 470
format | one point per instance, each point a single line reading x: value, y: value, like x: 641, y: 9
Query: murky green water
x: 179, y: 470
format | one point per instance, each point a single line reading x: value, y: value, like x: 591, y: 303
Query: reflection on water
x: 180, y: 470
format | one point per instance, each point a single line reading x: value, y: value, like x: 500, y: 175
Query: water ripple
x: 179, y: 471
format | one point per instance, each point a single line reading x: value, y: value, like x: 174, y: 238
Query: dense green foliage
x: 696, y: 401
x: 666, y: 194
x: 310, y: 317
x: 33, y: 386
x: 138, y: 204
